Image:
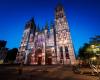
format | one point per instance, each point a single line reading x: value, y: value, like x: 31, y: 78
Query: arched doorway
x: 48, y: 57
x: 38, y: 56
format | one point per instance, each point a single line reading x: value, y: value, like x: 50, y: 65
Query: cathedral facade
x: 47, y: 46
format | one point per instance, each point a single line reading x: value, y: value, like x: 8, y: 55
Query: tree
x: 89, y: 50
x: 2, y: 44
x: 83, y: 52
x: 96, y: 42
x: 3, y: 50
x: 11, y: 55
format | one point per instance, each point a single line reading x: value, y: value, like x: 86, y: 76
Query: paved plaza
x: 54, y: 72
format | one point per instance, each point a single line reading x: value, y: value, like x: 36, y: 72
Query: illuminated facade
x: 65, y: 51
x: 47, y: 46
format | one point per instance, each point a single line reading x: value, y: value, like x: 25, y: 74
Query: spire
x: 46, y: 26
x: 42, y: 29
x: 37, y: 28
x: 51, y: 25
x: 59, y: 5
x: 59, y: 11
x: 30, y: 24
x: 33, y: 23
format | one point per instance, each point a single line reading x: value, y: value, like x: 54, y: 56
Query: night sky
x: 83, y: 18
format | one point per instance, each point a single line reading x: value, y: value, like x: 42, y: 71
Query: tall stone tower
x: 27, y: 43
x: 65, y: 50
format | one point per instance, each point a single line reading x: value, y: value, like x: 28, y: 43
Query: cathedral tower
x: 27, y: 43
x: 65, y: 50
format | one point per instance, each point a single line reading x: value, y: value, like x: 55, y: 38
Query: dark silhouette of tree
x: 95, y: 40
x: 5, y: 54
x: 84, y: 53
x: 2, y: 44
x: 3, y: 50
x: 11, y: 55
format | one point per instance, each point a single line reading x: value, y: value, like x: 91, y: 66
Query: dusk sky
x: 83, y: 18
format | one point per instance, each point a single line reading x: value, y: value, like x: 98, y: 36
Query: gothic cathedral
x: 51, y: 45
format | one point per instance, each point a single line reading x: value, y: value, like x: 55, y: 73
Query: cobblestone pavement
x: 42, y: 73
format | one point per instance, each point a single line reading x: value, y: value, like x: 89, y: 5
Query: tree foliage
x: 83, y: 53
x: 2, y: 44
x: 86, y: 51
x: 11, y: 55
